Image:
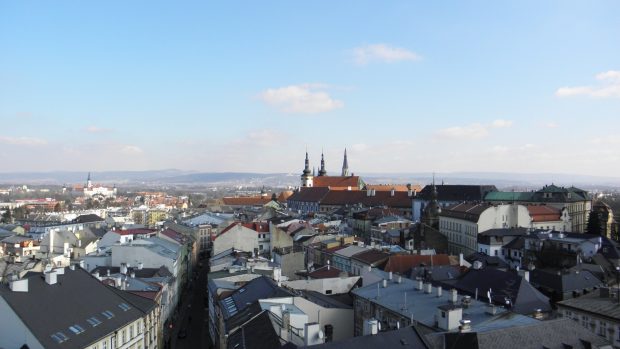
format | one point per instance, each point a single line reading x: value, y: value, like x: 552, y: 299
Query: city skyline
x: 517, y: 87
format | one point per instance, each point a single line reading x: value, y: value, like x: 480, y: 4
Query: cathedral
x: 98, y: 192
x: 345, y: 181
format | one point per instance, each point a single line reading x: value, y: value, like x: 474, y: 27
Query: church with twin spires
x: 345, y: 181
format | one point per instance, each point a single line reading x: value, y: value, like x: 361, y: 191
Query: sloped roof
x: 396, y: 187
x: 257, y: 333
x: 88, y: 218
x: 565, y: 282
x: 456, y: 192
x: 407, y: 338
x: 466, y: 211
x: 261, y: 287
x: 337, y: 182
x: 70, y: 302
x: 552, y: 334
x: 503, y: 284
x: 312, y: 194
x: 403, y: 263
x: 544, y: 213
x: 326, y: 272
x: 371, y: 257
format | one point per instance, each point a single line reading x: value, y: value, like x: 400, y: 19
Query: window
x: 124, y: 306
x: 105, y: 345
x: 59, y: 337
x: 93, y: 321
x: 108, y: 314
x: 77, y: 329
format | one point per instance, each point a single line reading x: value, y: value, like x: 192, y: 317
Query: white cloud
x: 472, y: 131
x: 609, y: 87
x: 501, y: 123
x: 25, y: 141
x: 95, y: 129
x: 305, y: 98
x: 131, y: 150
x: 383, y: 53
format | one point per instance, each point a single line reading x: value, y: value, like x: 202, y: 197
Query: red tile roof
x: 259, y: 227
x: 542, y: 213
x: 403, y: 263
x: 396, y: 187
x: 343, y: 182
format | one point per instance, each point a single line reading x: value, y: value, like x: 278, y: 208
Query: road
x: 193, y: 314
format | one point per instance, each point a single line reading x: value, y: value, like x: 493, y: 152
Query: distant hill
x: 171, y: 177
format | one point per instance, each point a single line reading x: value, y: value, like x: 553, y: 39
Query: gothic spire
x: 307, y: 165
x: 322, y: 171
x: 345, y: 164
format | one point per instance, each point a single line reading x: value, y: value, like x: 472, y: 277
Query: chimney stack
x: 465, y: 326
x: 384, y: 283
x: 420, y: 285
x: 454, y: 296
x: 439, y: 291
x: 428, y: 288
x: 19, y: 285
x: 51, y: 278
x: 390, y: 276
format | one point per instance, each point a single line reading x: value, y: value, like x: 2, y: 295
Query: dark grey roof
x: 326, y: 301
x: 552, y: 334
x: 435, y: 273
x: 525, y: 299
x: 408, y: 337
x: 456, y: 192
x: 76, y: 297
x: 258, y: 333
x: 564, y: 282
x: 516, y: 244
x: 505, y: 232
x: 88, y: 218
x: 140, y: 273
x: 594, y: 303
x: 487, y: 261
x: 258, y: 288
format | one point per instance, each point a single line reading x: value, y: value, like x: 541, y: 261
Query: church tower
x: 306, y: 175
x: 431, y: 216
x: 322, y: 171
x: 345, y: 165
x: 89, y: 183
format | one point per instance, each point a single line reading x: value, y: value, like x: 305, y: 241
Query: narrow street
x: 191, y: 330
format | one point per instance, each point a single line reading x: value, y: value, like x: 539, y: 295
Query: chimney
x: 454, y: 296
x: 525, y: 274
x: 399, y: 279
x: 384, y: 283
x: 328, y: 265
x: 140, y: 265
x: 392, y: 192
x: 390, y: 276
x: 51, y: 278
x: 439, y: 291
x: 133, y: 274
x: 72, y: 266
x: 409, y: 193
x: 19, y: 285
x: 465, y: 325
x: 428, y: 288
x: 96, y: 274
x: 313, y: 334
x: 371, y: 327
x: 420, y: 285
x: 538, y: 314
x: 108, y: 272
x: 466, y: 301
x: 369, y: 268
x: 491, y: 309
x: 123, y: 268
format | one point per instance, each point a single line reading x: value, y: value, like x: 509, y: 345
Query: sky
x: 249, y: 86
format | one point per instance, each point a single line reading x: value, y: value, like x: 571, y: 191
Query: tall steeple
x: 322, y: 171
x: 345, y: 165
x: 306, y: 176
x: 89, y: 183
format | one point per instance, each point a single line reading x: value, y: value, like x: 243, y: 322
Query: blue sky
x: 522, y: 86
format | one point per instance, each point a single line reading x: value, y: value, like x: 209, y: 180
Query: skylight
x: 108, y: 314
x: 124, y: 306
x: 77, y: 329
x: 93, y: 321
x: 60, y: 337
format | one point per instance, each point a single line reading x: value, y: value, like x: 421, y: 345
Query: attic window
x: 108, y: 314
x: 124, y: 306
x: 77, y: 329
x: 60, y: 337
x: 93, y: 321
